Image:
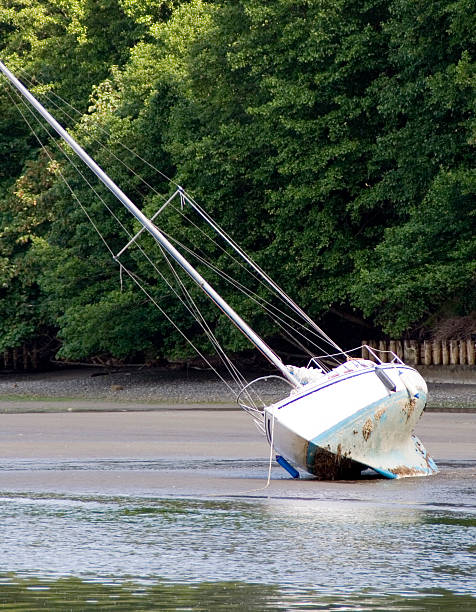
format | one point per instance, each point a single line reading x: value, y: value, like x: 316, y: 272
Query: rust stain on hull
x: 409, y: 407
x: 367, y: 429
x: 403, y: 470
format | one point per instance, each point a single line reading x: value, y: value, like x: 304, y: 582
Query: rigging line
x: 111, y: 153
x: 258, y: 269
x: 138, y: 282
x: 111, y: 252
x: 126, y: 230
x: 85, y: 211
x: 197, y: 314
x: 278, y: 291
x: 28, y: 78
x: 173, y: 289
x: 137, y: 234
x: 232, y: 369
x: 258, y: 299
x: 234, y: 259
x: 237, y: 376
x: 108, y: 150
x: 202, y: 323
x: 270, y: 463
x: 285, y: 326
x: 97, y: 194
x: 70, y: 160
x: 155, y: 232
x: 281, y: 323
x: 267, y: 306
x: 222, y: 353
x: 79, y: 171
x: 73, y: 193
x: 261, y: 300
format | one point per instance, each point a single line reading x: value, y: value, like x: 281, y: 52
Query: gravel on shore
x: 156, y: 387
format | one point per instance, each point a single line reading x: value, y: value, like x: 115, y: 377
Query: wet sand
x: 191, y: 453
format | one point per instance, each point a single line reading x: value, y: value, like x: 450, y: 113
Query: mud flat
x: 196, y: 453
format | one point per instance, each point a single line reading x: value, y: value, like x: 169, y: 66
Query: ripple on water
x: 295, y: 545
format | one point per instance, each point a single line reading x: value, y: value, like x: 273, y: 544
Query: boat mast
x: 154, y: 231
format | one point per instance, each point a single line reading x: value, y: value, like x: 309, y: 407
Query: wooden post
x: 382, y: 346
x: 426, y: 352
x: 436, y: 353
x: 392, y: 346
x: 462, y: 352
x: 411, y: 352
x: 371, y: 344
x: 399, y: 350
x: 415, y: 346
x: 25, y: 357
x: 421, y: 352
x: 445, y: 355
x: 470, y: 352
x: 365, y: 351
x: 454, y: 357
x: 14, y: 358
x: 6, y: 358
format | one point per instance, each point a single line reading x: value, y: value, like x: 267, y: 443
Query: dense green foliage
x: 333, y: 140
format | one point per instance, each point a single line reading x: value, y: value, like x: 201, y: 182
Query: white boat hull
x: 340, y: 426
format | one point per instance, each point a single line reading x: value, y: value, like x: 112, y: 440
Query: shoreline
x: 56, y: 405
x: 155, y: 389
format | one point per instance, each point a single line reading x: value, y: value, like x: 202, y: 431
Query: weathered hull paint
x: 341, y: 426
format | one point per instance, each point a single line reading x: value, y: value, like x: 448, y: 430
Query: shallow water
x: 367, y: 545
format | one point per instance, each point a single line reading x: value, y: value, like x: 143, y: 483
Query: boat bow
x: 350, y: 420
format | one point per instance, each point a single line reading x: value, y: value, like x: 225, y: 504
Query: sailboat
x: 340, y: 415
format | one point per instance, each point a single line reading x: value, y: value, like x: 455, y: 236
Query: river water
x: 299, y: 545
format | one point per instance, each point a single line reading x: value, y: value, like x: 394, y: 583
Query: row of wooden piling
x: 22, y: 358
x: 426, y: 352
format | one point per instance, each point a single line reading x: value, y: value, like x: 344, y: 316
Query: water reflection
x: 368, y: 545
x: 73, y: 594
x: 299, y: 544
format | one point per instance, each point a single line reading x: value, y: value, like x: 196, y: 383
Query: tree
x: 424, y: 266
x: 333, y: 140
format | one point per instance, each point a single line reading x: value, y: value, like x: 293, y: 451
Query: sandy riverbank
x: 185, y: 453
